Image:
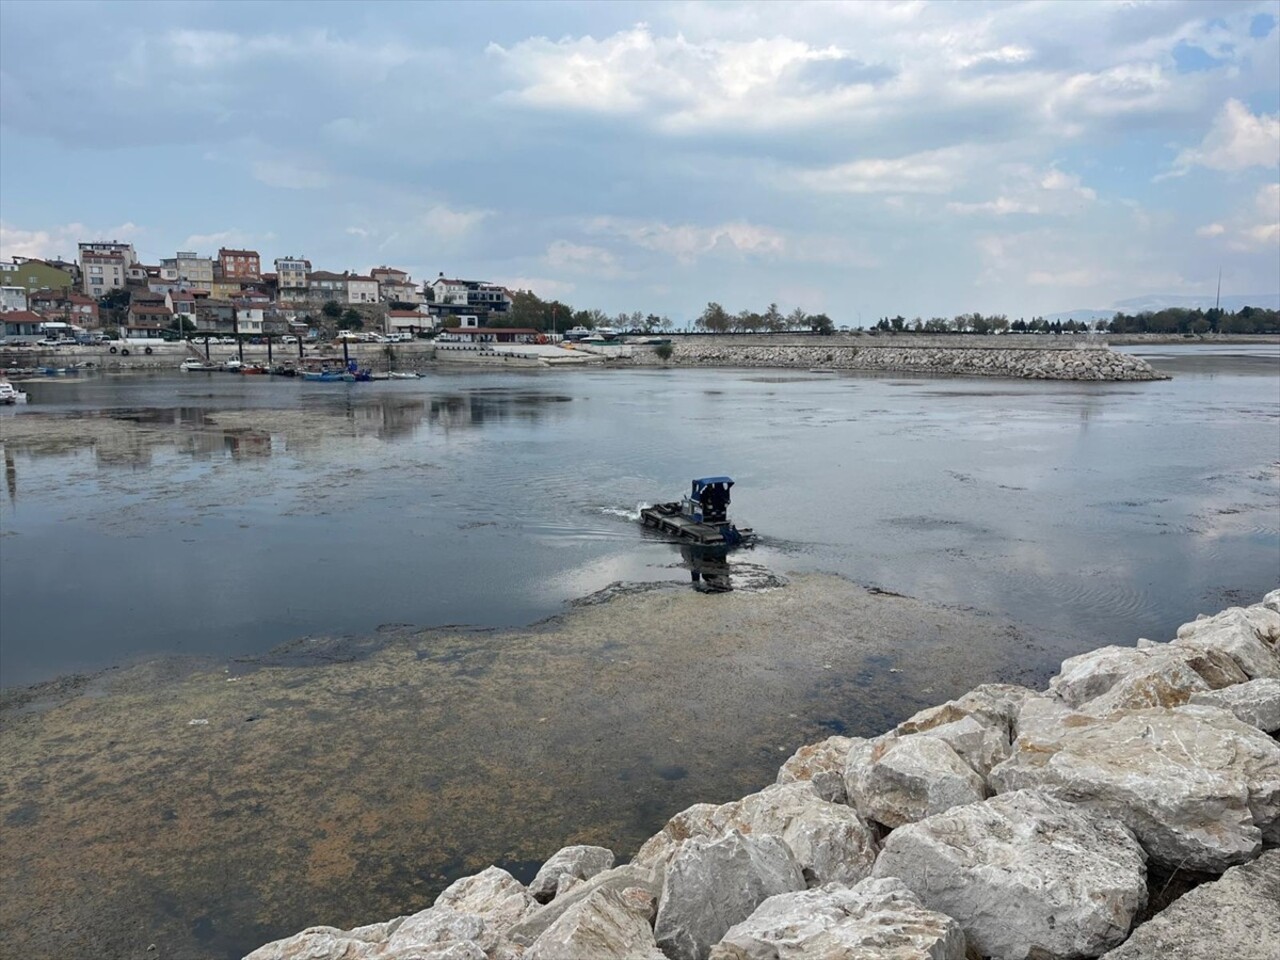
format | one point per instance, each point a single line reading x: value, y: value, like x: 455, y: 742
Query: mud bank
x: 1007, y: 823
x: 208, y: 809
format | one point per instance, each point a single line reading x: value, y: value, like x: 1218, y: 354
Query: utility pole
x: 1217, y: 300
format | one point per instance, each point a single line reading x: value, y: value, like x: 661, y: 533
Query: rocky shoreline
x: 1072, y: 363
x: 1007, y: 823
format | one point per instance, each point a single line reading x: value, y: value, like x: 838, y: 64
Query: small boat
x: 253, y: 368
x: 701, y: 516
x: 192, y: 365
x: 10, y: 395
x: 403, y: 375
x: 323, y: 376
x: 231, y: 366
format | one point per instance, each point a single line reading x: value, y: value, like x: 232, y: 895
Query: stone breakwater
x: 1008, y: 823
x: 1096, y: 363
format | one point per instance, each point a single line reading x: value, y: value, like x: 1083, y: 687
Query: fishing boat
x: 9, y: 394
x: 403, y: 375
x: 192, y: 365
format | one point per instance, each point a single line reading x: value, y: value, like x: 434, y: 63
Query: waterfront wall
x: 1080, y: 359
x: 1009, y: 823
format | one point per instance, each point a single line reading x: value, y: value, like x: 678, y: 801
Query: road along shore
x: 1006, y: 823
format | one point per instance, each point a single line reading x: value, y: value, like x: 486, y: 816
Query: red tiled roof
x: 224, y: 252
x: 156, y: 309
x: 21, y: 316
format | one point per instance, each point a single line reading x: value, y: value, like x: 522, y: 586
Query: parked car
x: 49, y: 342
x: 289, y: 340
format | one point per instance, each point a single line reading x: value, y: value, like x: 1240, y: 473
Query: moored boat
x: 701, y: 516
x: 9, y: 394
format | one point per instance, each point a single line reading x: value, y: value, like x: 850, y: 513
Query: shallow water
x: 221, y: 515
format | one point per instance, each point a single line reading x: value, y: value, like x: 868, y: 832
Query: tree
x: 331, y: 309
x: 596, y: 318
x: 820, y: 323
x: 898, y: 323
x: 773, y: 320
x: 714, y: 319
x: 797, y: 319
x: 351, y: 319
x: 182, y: 325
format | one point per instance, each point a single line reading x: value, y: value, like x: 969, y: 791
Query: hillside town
x: 108, y: 293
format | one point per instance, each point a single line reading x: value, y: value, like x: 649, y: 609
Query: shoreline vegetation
x: 1006, y: 823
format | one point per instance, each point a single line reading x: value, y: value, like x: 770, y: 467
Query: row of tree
x: 1181, y: 320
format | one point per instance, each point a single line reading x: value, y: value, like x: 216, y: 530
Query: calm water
x: 1094, y: 513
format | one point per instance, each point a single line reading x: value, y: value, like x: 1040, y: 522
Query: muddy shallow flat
x: 207, y: 810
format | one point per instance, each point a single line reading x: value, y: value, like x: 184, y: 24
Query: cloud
x: 1236, y: 141
x: 688, y: 242
x: 235, y: 239
x: 1028, y: 191
x: 762, y: 82
x: 289, y: 175
x: 1211, y: 230
x: 545, y: 287
x: 445, y: 223
x: 572, y: 256
x: 933, y: 171
x: 1256, y: 228
x: 59, y: 241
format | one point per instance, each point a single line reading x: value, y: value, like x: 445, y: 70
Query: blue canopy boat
x: 701, y: 516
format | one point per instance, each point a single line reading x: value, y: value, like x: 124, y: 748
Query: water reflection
x: 708, y: 568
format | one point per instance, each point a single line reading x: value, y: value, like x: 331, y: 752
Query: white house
x: 13, y: 298
x: 248, y: 318
x: 361, y: 289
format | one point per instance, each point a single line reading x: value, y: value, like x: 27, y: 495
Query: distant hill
x: 1160, y: 301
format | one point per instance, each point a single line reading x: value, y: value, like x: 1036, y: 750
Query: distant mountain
x: 1162, y: 301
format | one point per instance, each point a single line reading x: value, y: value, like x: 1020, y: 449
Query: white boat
x: 192, y: 365
x: 9, y: 394
x: 403, y: 375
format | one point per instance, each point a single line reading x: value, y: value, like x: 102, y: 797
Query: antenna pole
x: 1218, y: 299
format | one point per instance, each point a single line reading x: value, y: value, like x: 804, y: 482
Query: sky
x: 861, y: 159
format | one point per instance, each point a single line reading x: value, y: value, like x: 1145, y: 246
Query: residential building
x: 361, y: 289
x: 13, y: 299
x: 66, y: 304
x: 190, y: 268
x: 395, y: 285
x: 102, y: 272
x: 146, y: 320
x: 468, y: 334
x: 183, y: 304
x: 34, y: 275
x: 473, y: 295
x: 323, y: 285
x: 125, y: 250
x: 249, y: 317
x: 224, y: 289
x: 22, y: 325
x: 407, y: 321
x: 240, y: 264
x: 215, y: 316
x: 291, y: 278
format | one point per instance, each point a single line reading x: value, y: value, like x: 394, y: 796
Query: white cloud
x: 445, y: 223
x: 1028, y: 191
x: 1236, y: 141
x: 60, y: 241
x: 236, y: 239
x: 933, y: 171
x: 289, y: 175
x: 687, y: 242
x: 572, y: 256
x: 1256, y: 229
x: 1065, y: 278
x: 1211, y: 230
x: 545, y: 287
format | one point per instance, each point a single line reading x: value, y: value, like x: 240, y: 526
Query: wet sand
x: 206, y: 808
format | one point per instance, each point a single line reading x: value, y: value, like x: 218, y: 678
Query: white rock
x: 619, y: 879
x: 1236, y: 916
x: 872, y: 920
x: 479, y: 908
x: 580, y: 861
x: 608, y: 925
x: 1256, y: 702
x: 1194, y: 784
x: 909, y: 778
x: 1156, y: 676
x: 1272, y: 601
x: 823, y: 765
x: 1025, y: 874
x: 1249, y: 635
x: 317, y: 943
x: 829, y: 840
x: 712, y: 884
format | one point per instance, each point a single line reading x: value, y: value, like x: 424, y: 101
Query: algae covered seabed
x: 201, y: 808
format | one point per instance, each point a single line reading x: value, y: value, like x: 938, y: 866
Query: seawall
x: 1129, y: 810
x: 1076, y: 359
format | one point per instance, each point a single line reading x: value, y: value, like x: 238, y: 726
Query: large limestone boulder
x: 1158, y: 675
x: 1249, y: 635
x: 618, y: 880
x: 1256, y: 703
x: 822, y: 764
x: 608, y: 925
x: 905, y: 779
x: 1195, y: 785
x: 1272, y: 601
x: 1236, y: 916
x: 582, y: 862
x: 328, y: 943
x: 480, y: 909
x: 876, y: 919
x: 1025, y: 874
x: 829, y: 840
x: 712, y: 884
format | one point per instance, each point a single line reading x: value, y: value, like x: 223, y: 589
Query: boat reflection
x: 708, y: 568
